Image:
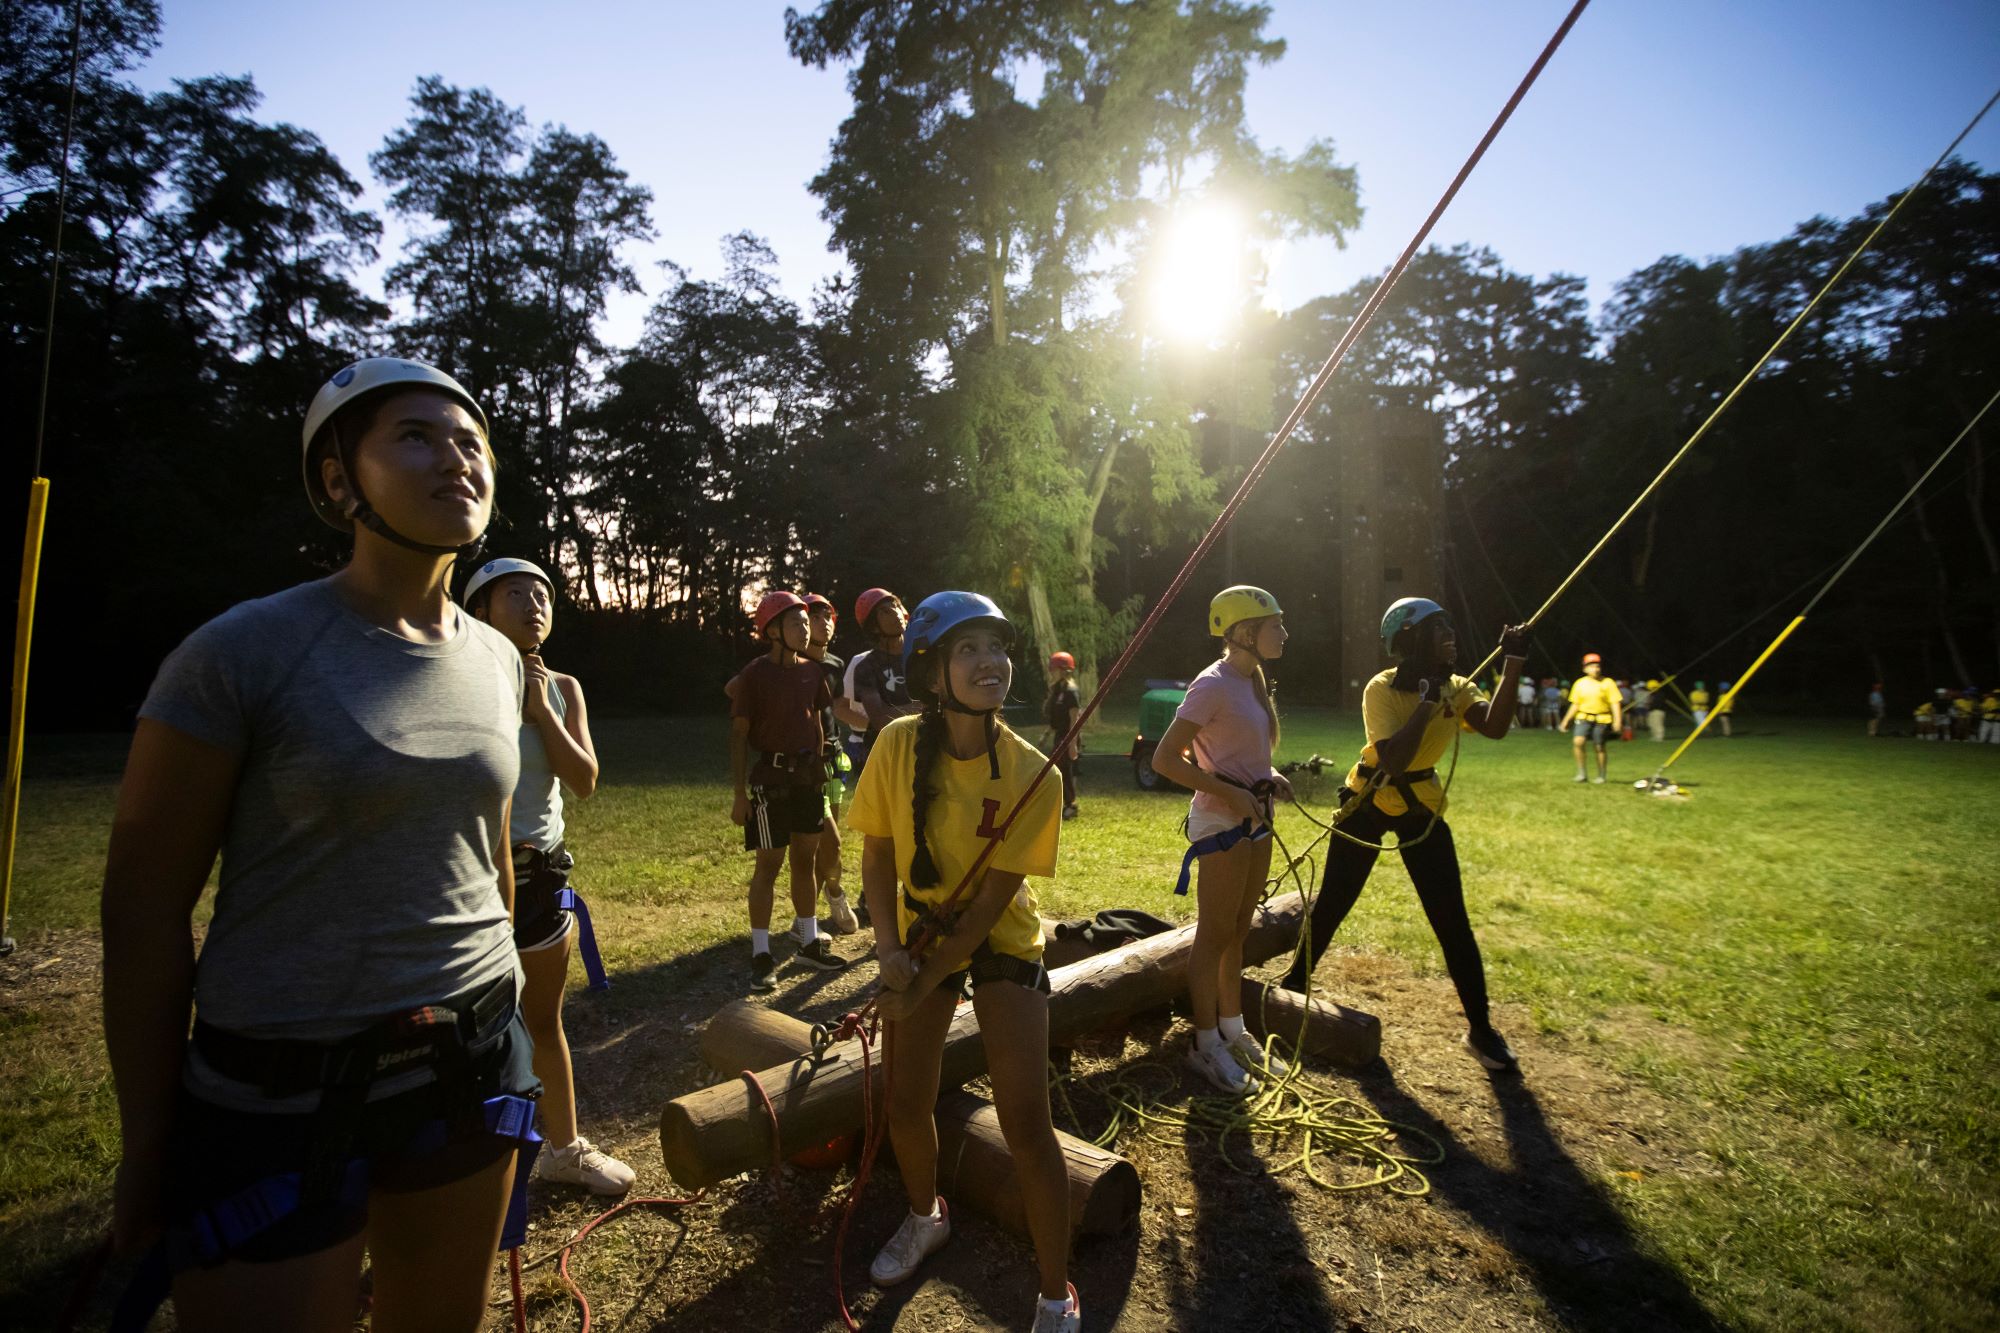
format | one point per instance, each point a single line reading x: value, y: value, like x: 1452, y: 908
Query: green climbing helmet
x: 1403, y: 613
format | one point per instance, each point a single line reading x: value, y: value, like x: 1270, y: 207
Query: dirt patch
x: 50, y: 974
x: 1519, y: 1228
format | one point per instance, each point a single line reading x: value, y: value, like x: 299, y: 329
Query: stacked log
x: 975, y: 1170
x: 718, y: 1132
x: 1312, y: 1028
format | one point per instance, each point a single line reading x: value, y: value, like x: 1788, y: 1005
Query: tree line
x: 990, y: 393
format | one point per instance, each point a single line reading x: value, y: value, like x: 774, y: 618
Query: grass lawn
x: 1763, y: 1025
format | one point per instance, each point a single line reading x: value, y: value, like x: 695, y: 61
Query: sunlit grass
x: 1800, y: 959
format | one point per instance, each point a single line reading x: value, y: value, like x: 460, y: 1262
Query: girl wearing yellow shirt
x: 1410, y: 714
x: 932, y: 796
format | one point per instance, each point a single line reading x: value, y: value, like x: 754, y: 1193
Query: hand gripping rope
x: 923, y: 937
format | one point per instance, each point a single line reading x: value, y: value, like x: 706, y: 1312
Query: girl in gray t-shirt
x: 517, y: 598
x: 348, y: 747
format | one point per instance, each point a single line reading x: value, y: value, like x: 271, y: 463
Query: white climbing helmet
x: 349, y: 383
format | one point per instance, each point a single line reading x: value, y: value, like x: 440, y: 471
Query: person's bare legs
x: 1221, y: 881
x: 314, y: 1293
x: 1014, y: 1021
x: 763, y: 886
x: 547, y: 973
x: 805, y: 889
x: 915, y: 1055
x: 432, y: 1252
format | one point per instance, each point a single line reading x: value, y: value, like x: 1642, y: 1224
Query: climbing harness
x: 460, y: 1043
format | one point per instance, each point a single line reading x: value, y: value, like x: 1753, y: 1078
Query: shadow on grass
x: 1573, y: 1242
x: 1245, y: 1223
x: 634, y: 1050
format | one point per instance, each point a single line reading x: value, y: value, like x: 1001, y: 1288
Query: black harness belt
x: 1402, y: 782
x: 987, y: 963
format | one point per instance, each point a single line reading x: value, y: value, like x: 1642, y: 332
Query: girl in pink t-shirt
x: 1230, y: 725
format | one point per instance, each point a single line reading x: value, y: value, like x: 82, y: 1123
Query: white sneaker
x: 839, y: 916
x: 581, y: 1163
x: 1069, y: 1321
x: 1221, y: 1070
x: 916, y: 1240
x: 1255, y: 1057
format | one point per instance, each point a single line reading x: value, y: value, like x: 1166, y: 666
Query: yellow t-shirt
x: 1699, y: 699
x: 1593, y: 698
x: 1989, y: 708
x: 1924, y: 709
x: 967, y: 808
x: 1962, y: 706
x: 1383, y: 713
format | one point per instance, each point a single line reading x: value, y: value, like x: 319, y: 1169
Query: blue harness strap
x: 1217, y: 842
x: 569, y: 900
x: 221, y: 1228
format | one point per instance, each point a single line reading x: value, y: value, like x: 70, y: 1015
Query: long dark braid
x: 930, y: 740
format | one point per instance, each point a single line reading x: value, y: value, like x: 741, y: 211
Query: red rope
x: 1375, y: 302
x: 562, y: 1259
x: 770, y: 1113
x: 1368, y: 311
x: 877, y: 1128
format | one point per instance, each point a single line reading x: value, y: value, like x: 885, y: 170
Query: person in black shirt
x: 1059, y: 710
x: 879, y: 688
x: 840, y: 915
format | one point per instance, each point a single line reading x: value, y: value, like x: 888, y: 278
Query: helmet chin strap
x: 951, y: 704
x: 364, y: 514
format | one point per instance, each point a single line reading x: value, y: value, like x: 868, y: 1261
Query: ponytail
x: 930, y: 740
x: 1269, y: 705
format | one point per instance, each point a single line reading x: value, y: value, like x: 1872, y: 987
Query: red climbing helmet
x: 865, y: 604
x: 774, y: 604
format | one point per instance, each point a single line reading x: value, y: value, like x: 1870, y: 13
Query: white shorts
x: 1206, y: 824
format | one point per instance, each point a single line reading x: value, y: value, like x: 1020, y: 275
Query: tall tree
x: 970, y: 209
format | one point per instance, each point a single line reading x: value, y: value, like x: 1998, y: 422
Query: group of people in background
x: 1947, y: 715
x: 377, y: 1057
x: 1596, y: 709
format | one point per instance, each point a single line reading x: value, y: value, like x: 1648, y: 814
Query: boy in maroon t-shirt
x: 776, y: 712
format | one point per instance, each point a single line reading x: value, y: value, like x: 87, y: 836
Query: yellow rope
x: 1748, y: 375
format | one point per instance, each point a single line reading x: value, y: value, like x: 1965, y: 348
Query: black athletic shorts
x: 779, y: 813
x: 215, y: 1152
x: 538, y: 877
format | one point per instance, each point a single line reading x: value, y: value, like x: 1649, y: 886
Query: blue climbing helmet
x: 1403, y: 613
x: 934, y: 621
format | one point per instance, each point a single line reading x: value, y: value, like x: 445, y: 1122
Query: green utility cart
x: 1156, y: 714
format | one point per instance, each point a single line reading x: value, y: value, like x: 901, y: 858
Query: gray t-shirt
x: 358, y: 877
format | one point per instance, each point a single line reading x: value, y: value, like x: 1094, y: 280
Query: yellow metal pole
x: 1735, y: 690
x: 17, y: 720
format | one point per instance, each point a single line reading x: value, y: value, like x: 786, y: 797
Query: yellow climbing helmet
x: 1233, y: 606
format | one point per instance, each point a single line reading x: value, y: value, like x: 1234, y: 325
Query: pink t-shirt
x: 1235, y: 735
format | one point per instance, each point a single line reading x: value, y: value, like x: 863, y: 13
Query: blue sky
x: 1686, y: 127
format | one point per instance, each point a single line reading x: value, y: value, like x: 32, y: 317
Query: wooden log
x: 718, y: 1132
x: 976, y: 1171
x: 1330, y: 1031
x: 974, y: 1167
x: 747, y: 1035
